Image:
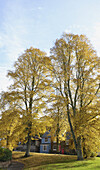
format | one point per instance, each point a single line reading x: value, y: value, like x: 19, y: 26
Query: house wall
x: 43, y: 140
x: 48, y: 148
x: 35, y: 146
x: 47, y: 144
x: 23, y: 148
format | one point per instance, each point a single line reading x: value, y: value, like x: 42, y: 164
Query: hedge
x: 5, y: 154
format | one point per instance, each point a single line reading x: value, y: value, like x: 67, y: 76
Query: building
x: 45, y: 146
x: 49, y: 146
x: 35, y: 145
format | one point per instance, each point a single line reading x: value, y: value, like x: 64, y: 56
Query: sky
x: 38, y: 23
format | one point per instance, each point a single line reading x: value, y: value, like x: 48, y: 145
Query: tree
x: 57, y: 117
x: 29, y: 84
x: 75, y: 71
x: 10, y: 122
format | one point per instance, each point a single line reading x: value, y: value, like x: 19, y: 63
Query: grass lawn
x: 92, y: 164
x: 39, y: 161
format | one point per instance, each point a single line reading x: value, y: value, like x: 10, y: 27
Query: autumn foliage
x: 64, y: 87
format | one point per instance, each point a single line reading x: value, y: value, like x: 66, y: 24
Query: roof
x: 36, y: 138
x: 46, y: 134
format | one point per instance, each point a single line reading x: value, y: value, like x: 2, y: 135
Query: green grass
x: 92, y: 164
x: 39, y: 161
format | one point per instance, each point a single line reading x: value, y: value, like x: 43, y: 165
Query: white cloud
x: 47, y: 51
x: 76, y: 29
x: 18, y: 29
x: 68, y: 31
x: 12, y: 41
x: 13, y: 45
x: 4, y: 81
x: 40, y: 8
x: 14, y: 32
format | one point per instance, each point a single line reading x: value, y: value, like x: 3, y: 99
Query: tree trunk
x: 57, y: 133
x: 79, y: 149
x: 28, y: 146
x: 7, y: 142
x: 57, y: 143
x: 51, y: 145
x: 77, y: 142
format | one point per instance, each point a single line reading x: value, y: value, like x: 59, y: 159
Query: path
x: 15, y: 166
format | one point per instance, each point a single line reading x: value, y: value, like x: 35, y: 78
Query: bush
x: 86, y: 153
x: 5, y: 154
x: 93, y: 154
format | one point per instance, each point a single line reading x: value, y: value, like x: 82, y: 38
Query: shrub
x: 86, y: 153
x: 93, y: 154
x: 5, y: 154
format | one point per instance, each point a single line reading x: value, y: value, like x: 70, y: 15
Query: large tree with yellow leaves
x: 75, y: 72
x: 28, y: 88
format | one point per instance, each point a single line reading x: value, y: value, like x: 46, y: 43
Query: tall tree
x: 29, y: 83
x: 10, y: 122
x: 75, y: 71
x: 57, y: 114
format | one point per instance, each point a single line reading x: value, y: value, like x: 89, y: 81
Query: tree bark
x: 7, y: 142
x: 28, y: 146
x: 57, y: 143
x: 77, y: 142
x: 30, y: 123
x: 79, y: 149
x: 58, y: 130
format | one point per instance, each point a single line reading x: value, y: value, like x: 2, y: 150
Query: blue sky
x: 38, y: 23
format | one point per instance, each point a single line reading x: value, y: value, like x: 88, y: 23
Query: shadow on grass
x: 15, y: 158
x: 97, y: 167
x: 48, y: 164
x: 64, y: 165
x: 20, y: 155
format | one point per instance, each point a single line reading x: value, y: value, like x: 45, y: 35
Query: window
x: 44, y: 147
x: 36, y: 142
x: 54, y: 147
x: 46, y: 139
x: 67, y: 142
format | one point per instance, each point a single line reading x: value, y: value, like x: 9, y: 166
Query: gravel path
x: 16, y: 166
